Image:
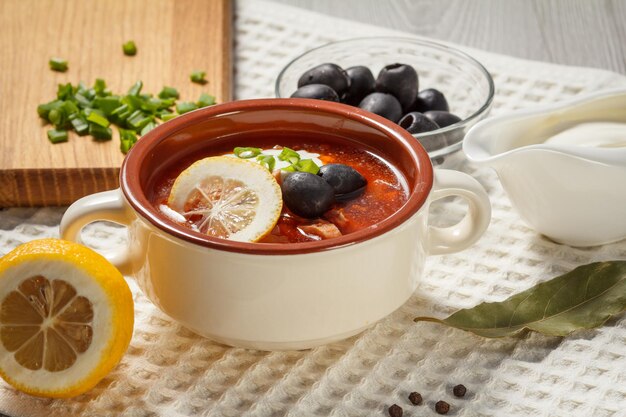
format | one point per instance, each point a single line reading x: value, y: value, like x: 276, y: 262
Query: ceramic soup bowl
x: 279, y: 295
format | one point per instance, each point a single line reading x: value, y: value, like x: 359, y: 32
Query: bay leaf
x: 583, y: 298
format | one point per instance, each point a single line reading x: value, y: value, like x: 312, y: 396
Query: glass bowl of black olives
x: 434, y: 91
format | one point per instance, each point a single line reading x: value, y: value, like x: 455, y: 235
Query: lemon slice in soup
x: 228, y: 198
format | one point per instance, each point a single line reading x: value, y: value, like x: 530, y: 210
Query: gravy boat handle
x: 442, y: 240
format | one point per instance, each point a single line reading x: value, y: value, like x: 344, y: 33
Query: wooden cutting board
x: 173, y: 38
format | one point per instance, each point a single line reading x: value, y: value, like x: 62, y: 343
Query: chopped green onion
x: 307, y: 165
x: 70, y: 108
x: 65, y: 91
x: 57, y: 117
x: 185, y: 106
x: 98, y: 119
x: 169, y: 92
x: 108, y: 104
x: 206, y: 100
x: 129, y: 48
x: 100, y: 132
x: 79, y: 123
x: 135, y: 89
x: 267, y: 161
x: 289, y: 155
x: 127, y: 139
x: 246, y: 153
x: 135, y: 116
x: 168, y: 116
x: 290, y: 168
x: 58, y: 64
x: 99, y: 86
x: 82, y: 100
x: 139, y: 122
x: 198, y: 77
x: 91, y: 110
x: 57, y: 136
x: 151, y: 125
x: 151, y: 104
x: 44, y: 109
x: 120, y: 110
x: 166, y: 103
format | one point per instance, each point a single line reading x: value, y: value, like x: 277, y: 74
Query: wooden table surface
x: 590, y: 33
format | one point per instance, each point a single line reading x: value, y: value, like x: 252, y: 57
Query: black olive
x: 328, y: 74
x: 442, y: 118
x: 307, y: 195
x: 317, y: 91
x: 430, y: 99
x: 401, y: 81
x: 362, y: 83
x: 347, y: 182
x: 382, y: 104
x: 416, y: 122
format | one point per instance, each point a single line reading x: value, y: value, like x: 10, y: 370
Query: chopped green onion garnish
x: 267, y: 161
x: 169, y: 92
x: 100, y: 132
x: 135, y: 89
x: 57, y: 136
x: 246, y: 153
x: 289, y: 155
x: 290, y: 168
x: 58, y: 64
x: 98, y: 119
x: 206, y: 100
x: 185, y: 106
x: 198, y: 77
x: 307, y: 165
x: 129, y: 48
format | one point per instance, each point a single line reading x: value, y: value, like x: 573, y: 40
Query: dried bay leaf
x: 583, y: 298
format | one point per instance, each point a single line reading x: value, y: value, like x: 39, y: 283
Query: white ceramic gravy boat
x: 570, y: 188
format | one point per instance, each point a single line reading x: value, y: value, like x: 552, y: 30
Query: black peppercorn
x: 415, y: 398
x: 459, y: 390
x: 395, y: 411
x: 442, y: 407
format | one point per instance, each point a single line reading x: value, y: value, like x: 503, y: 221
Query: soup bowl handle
x: 109, y: 206
x: 442, y: 240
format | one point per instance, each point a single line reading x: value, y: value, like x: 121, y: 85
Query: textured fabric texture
x: 169, y: 371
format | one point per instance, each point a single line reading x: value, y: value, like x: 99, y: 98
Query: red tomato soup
x: 385, y: 193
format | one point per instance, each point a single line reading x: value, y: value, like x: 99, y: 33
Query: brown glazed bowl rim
x: 131, y: 187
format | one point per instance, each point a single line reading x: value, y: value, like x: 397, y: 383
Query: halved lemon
x: 227, y: 197
x: 66, y: 318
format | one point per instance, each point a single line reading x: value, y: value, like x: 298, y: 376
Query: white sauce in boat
x: 596, y: 134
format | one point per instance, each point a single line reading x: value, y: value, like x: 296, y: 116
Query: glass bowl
x: 464, y: 81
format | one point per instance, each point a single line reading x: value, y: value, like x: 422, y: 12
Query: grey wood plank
x: 588, y: 33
